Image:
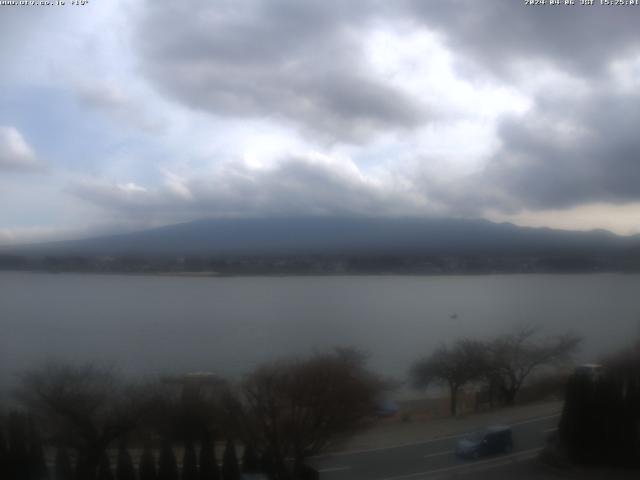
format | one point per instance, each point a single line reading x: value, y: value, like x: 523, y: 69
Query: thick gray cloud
x: 571, y: 152
x: 568, y: 149
x: 562, y: 154
x: 301, y: 62
x: 499, y: 33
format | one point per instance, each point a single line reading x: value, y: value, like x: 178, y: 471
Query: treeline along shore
x: 372, y: 264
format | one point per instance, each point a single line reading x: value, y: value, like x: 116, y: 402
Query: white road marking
x: 438, y: 454
x: 492, y: 462
x: 533, y: 420
x: 424, y: 442
x: 549, y: 430
x: 333, y: 469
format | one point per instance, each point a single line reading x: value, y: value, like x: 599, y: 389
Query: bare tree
x: 86, y: 406
x: 455, y: 366
x: 297, y: 409
x: 515, y: 356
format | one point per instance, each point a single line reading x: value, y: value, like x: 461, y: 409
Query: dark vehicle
x: 493, y: 440
x: 386, y: 408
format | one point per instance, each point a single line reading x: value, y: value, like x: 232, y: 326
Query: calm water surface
x: 148, y: 324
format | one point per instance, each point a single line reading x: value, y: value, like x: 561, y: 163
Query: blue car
x: 494, y: 440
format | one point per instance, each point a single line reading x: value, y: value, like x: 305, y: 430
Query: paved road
x: 431, y: 459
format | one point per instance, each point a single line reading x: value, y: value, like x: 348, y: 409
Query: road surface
x: 433, y: 458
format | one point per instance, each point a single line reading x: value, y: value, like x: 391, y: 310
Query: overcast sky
x: 121, y: 115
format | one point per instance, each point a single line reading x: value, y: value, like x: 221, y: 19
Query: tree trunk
x: 510, y: 398
x: 454, y: 400
x: 297, y: 467
x: 87, y: 464
x: 509, y: 395
x: 274, y: 465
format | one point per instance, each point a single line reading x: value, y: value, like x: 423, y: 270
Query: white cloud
x: 307, y: 184
x: 417, y: 62
x: 15, y: 153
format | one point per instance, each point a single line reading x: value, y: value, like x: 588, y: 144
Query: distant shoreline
x: 213, y: 274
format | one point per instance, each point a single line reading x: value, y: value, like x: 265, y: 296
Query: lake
x: 162, y: 324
